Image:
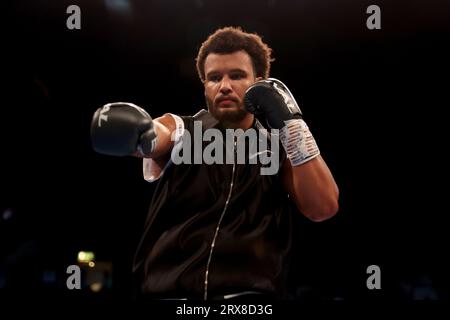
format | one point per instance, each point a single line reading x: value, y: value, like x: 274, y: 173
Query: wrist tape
x: 298, y: 142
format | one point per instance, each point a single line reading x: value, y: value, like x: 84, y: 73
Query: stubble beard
x: 226, y: 116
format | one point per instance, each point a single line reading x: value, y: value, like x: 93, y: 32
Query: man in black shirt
x: 220, y: 227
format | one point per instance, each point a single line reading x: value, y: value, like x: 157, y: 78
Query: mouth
x: 225, y: 102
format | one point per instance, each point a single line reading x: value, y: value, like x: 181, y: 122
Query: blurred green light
x: 85, y: 256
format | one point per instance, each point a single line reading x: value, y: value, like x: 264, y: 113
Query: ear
x: 258, y: 78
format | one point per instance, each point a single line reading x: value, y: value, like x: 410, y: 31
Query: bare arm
x: 312, y: 187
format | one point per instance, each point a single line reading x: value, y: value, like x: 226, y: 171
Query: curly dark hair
x: 232, y: 39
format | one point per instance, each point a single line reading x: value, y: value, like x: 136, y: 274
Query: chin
x: 232, y: 114
x: 229, y: 114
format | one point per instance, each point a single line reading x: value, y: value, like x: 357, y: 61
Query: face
x: 227, y: 77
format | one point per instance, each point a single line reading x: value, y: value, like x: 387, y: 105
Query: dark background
x: 374, y: 99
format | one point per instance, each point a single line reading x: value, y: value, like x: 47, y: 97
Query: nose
x: 225, y: 86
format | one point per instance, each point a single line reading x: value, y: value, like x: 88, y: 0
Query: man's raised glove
x: 272, y: 99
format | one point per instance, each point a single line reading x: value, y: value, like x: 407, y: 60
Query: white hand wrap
x: 298, y: 142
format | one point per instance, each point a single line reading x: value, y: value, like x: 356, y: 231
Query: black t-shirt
x: 251, y: 246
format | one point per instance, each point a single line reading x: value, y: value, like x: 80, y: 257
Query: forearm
x: 315, y: 191
x: 306, y: 176
x: 164, y: 144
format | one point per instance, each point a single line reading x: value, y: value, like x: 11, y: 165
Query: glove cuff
x: 148, y: 142
x: 298, y: 142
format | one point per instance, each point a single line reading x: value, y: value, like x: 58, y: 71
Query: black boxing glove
x: 272, y: 99
x: 121, y: 129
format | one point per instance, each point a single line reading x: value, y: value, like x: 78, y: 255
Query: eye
x: 237, y: 76
x: 214, y: 78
